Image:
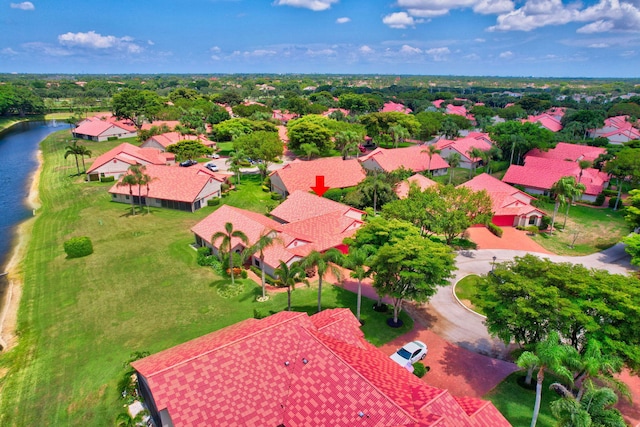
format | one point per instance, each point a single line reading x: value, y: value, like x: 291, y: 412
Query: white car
x: 212, y: 167
x: 409, y: 354
x: 214, y: 156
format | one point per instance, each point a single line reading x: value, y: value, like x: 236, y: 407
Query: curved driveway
x: 447, y: 318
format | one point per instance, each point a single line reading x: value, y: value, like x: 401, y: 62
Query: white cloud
x: 399, y: 20
x: 598, y: 45
x: 343, y: 20
x: 410, y: 50
x: 479, y: 40
x: 215, y: 49
x: 366, y: 50
x: 433, y: 8
x: 8, y: 51
x: 261, y: 52
x: 315, y: 5
x: 506, y: 54
x: 321, y: 52
x: 150, y: 42
x: 472, y: 57
x: 439, y: 53
x: 628, y: 53
x: 93, y: 40
x: 604, y: 16
x: 25, y: 5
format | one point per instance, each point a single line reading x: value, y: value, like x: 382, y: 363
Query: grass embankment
x: 596, y: 228
x: 466, y: 290
x: 7, y: 122
x: 141, y: 290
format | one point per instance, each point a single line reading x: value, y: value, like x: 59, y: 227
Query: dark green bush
x: 335, y: 194
x: 213, y: 202
x: 108, y: 179
x: 499, y: 166
x: 532, y: 229
x: 599, y: 199
x: 276, y: 196
x: 612, y: 202
x: 266, y: 188
x: 77, y: 247
x: 495, y: 229
x: 544, y: 223
x: 224, y: 187
x: 258, y: 272
x: 112, y: 138
x: 609, y: 193
x: 204, y: 255
x: 419, y: 370
x: 519, y: 227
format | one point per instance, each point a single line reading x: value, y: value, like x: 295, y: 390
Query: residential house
x: 116, y: 161
x: 538, y: 174
x: 570, y: 152
x: 463, y: 147
x: 310, y: 371
x: 301, y: 175
x: 283, y: 116
x: 185, y: 189
x: 302, y: 223
x: 420, y: 181
x: 413, y: 158
x: 162, y: 141
x: 103, y: 128
x: 391, y: 106
x: 617, y: 130
x: 545, y: 120
x: 510, y: 206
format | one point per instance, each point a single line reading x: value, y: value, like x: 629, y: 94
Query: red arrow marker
x: 320, y: 189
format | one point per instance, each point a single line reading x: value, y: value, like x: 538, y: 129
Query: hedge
x: 599, y: 199
x: 495, y: 229
x: 78, y: 247
x: 213, y: 202
x: 108, y: 179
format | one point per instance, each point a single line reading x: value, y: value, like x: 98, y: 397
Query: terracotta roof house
x: 545, y: 120
x: 162, y: 141
x: 617, y: 130
x: 171, y: 124
x: 283, y: 116
x: 391, y: 106
x: 116, y: 161
x: 100, y: 128
x: 303, y: 223
x: 333, y: 110
x: 511, y: 207
x: 420, y: 181
x: 571, y: 152
x: 186, y: 189
x: 311, y: 371
x: 413, y: 158
x: 463, y: 146
x: 438, y: 103
x: 301, y: 175
x: 538, y: 175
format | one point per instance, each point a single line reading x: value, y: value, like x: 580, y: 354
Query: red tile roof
x: 166, y: 139
x: 465, y: 144
x: 542, y: 173
x: 301, y: 205
x: 338, y: 173
x: 131, y: 154
x: 413, y: 158
x: 395, y: 107
x: 173, y: 183
x: 402, y: 189
x: 546, y: 120
x: 310, y: 371
x: 570, y: 152
x: 96, y: 126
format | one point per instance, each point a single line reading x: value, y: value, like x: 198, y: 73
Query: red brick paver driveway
x: 511, y: 239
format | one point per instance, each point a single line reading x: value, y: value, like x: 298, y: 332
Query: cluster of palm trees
x: 287, y: 275
x: 76, y: 150
x: 136, y: 176
x: 566, y: 191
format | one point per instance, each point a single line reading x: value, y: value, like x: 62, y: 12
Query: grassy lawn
x: 460, y: 175
x: 141, y: 290
x: 224, y: 148
x: 516, y: 402
x: 249, y: 195
x: 466, y: 292
x: 596, y: 229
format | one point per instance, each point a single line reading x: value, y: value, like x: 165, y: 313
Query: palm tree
x: 594, y: 365
x: 492, y: 153
x: 574, y: 192
x: 454, y: 160
x: 227, y: 237
x: 551, y: 355
x: 83, y: 151
x: 431, y: 151
x: 350, y: 147
x: 73, y: 150
x: 475, y: 153
x: 398, y: 133
x: 309, y: 149
x: 357, y: 260
x: 563, y: 189
x: 449, y: 128
x: 596, y: 409
x: 289, y: 276
x: 234, y: 160
x: 144, y: 179
x: 583, y: 164
x: 375, y: 183
x: 129, y: 180
x: 323, y: 262
x: 267, y: 238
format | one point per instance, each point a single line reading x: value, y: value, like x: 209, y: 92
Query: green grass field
x: 141, y: 290
x: 466, y: 292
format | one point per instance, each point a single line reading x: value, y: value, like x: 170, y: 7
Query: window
x: 532, y: 220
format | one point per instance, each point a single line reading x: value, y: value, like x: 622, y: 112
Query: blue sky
x: 540, y: 38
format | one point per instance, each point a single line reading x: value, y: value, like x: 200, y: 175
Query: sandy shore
x: 9, y: 310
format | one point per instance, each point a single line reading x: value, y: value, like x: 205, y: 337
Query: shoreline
x: 9, y: 307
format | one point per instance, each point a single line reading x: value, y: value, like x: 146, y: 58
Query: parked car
x: 212, y: 167
x: 188, y: 163
x: 214, y: 156
x: 409, y: 354
x: 362, y: 148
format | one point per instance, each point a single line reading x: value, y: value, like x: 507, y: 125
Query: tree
x: 411, y: 269
x: 518, y: 138
x: 373, y: 188
x: 431, y: 151
x: 144, y: 179
x: 398, y: 134
x: 288, y: 277
x: 454, y: 160
x: 75, y: 151
x: 357, y: 260
x: 309, y: 150
x: 551, y: 355
x: 562, y: 190
x: 227, y: 238
x: 632, y: 247
x: 574, y: 192
x: 234, y: 161
x: 593, y: 364
x: 136, y: 105
x: 260, y: 145
x: 449, y: 128
x: 129, y: 180
x: 626, y: 165
x: 189, y: 149
x: 311, y: 129
x: 474, y: 154
x: 323, y: 262
x: 266, y: 239
x: 595, y: 409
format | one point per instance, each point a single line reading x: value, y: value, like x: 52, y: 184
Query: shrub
x: 335, y: 194
x: 224, y: 187
x: 77, y: 247
x: 276, y: 196
x: 609, y: 193
x: 519, y: 227
x: 499, y: 166
x: 532, y: 229
x: 266, y: 189
x: 267, y: 278
x: 599, y: 199
x: 495, y: 229
x: 213, y: 202
x: 612, y: 202
x: 204, y: 253
x: 419, y: 370
x: 108, y: 179
x: 544, y: 223
x: 112, y: 138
